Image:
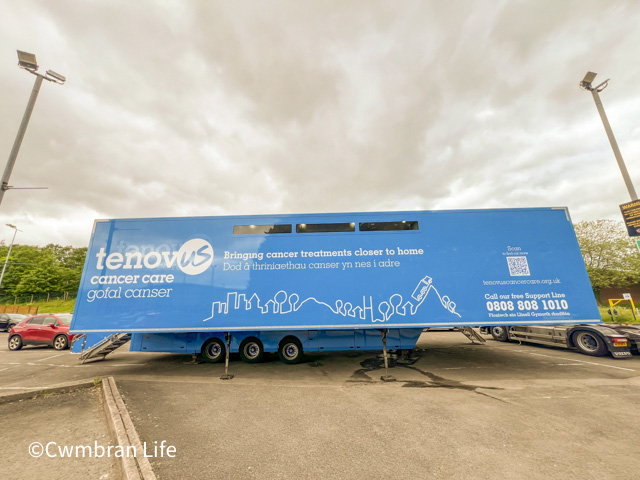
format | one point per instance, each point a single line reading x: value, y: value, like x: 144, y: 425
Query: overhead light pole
x: 9, y: 252
x: 26, y: 61
x: 585, y: 84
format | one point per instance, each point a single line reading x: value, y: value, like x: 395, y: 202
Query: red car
x: 46, y: 329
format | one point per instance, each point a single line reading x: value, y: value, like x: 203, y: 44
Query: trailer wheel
x: 251, y: 350
x: 290, y: 350
x: 213, y: 350
x: 590, y: 344
x: 500, y: 333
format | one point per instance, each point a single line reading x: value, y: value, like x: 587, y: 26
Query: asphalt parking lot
x: 459, y: 411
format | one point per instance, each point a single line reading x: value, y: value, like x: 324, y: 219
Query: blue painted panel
x: 167, y: 342
x: 408, y: 337
x: 336, y: 339
x: 459, y: 268
x: 332, y: 340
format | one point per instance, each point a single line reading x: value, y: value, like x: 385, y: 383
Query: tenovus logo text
x: 193, y: 258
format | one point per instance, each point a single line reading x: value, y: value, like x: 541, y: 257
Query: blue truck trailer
x: 323, y: 282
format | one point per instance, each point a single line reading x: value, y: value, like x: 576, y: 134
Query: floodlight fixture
x: 55, y: 77
x: 588, y: 80
x: 27, y: 60
x: 602, y: 86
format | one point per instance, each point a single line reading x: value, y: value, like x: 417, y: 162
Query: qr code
x: 518, y: 266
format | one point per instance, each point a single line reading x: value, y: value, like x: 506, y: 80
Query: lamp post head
x: 55, y: 77
x: 27, y: 61
x: 588, y: 80
x: 12, y: 226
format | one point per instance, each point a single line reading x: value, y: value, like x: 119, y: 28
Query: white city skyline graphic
x: 284, y: 303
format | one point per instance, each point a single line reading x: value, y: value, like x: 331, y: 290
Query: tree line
x: 611, y: 257
x: 32, y: 269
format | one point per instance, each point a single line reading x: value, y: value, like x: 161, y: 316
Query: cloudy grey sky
x: 181, y: 108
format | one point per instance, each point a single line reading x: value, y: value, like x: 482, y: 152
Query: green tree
x: 23, y: 259
x: 611, y: 257
x: 68, y: 257
x: 32, y: 269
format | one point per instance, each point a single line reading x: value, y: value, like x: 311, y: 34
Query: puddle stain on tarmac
x: 435, y: 381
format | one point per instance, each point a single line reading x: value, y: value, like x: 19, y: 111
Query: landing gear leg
x: 227, y: 375
x: 386, y: 377
x: 193, y: 361
x: 406, y: 357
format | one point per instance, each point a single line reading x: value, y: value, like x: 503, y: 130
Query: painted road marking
x: 575, y: 360
x: 49, y: 358
x: 124, y: 364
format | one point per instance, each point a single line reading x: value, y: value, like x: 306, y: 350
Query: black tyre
x: 213, y: 350
x: 61, y: 342
x: 15, y: 342
x: 500, y: 333
x: 251, y: 350
x: 290, y: 350
x: 590, y: 343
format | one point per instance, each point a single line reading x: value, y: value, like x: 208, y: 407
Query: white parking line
x: 575, y: 360
x: 33, y: 364
x: 123, y: 364
x: 49, y: 358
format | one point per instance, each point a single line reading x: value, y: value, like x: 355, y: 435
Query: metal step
x: 105, y: 347
x: 471, y: 334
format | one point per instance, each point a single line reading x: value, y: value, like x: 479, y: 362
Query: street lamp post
x: 9, y: 252
x: 585, y: 84
x: 26, y: 61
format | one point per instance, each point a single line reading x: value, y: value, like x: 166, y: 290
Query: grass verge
x: 620, y: 315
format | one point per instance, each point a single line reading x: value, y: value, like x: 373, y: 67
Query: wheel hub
x: 252, y: 350
x: 588, y: 342
x: 291, y: 351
